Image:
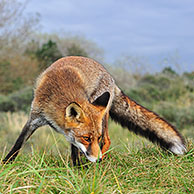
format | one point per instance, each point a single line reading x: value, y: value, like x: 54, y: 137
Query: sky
x: 154, y: 30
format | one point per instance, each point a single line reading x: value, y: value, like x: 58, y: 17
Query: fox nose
x: 93, y: 159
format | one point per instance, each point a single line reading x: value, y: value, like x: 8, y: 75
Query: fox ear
x: 74, y: 111
x: 102, y: 100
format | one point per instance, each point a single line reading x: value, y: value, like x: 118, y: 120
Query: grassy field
x: 133, y: 165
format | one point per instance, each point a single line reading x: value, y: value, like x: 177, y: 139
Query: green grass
x: 133, y: 165
x: 148, y: 170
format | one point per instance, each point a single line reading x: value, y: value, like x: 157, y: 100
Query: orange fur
x: 75, y: 96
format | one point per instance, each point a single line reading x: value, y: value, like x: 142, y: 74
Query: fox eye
x: 86, y: 138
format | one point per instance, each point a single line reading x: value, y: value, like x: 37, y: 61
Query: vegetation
x: 47, y: 54
x: 145, y: 171
x: 75, y: 50
x: 168, y: 94
x: 133, y: 165
x: 17, y: 101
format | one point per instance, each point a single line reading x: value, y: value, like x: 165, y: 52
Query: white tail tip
x: 178, y: 148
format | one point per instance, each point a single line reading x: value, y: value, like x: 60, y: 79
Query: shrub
x: 158, y: 81
x: 22, y: 99
x: 181, y: 117
x: 6, y: 104
x: 48, y: 54
x: 17, y: 101
x: 148, y: 94
x: 169, y: 71
x: 76, y: 50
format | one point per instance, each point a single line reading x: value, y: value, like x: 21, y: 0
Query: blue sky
x: 152, y: 29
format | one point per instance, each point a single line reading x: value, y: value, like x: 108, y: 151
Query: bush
x: 22, y: 99
x: 161, y: 82
x: 6, y: 77
x: 161, y: 87
x: 48, y: 54
x: 76, y: 50
x: 17, y: 101
x: 181, y: 117
x: 7, y: 104
x: 148, y: 94
x: 169, y: 71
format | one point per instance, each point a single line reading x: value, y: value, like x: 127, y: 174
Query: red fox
x: 75, y: 96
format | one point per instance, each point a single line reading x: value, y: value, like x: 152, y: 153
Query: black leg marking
x: 27, y: 131
x: 75, y: 155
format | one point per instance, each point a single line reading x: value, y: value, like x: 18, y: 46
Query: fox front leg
x: 32, y: 124
x: 75, y: 155
x: 105, y: 139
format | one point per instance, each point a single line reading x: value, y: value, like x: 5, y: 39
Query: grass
x: 133, y: 165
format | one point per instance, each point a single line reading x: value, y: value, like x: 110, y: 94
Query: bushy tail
x: 146, y: 123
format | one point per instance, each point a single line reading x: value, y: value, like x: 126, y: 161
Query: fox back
x: 72, y: 79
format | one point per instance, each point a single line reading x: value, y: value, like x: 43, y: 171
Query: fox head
x: 81, y: 123
x: 84, y: 126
